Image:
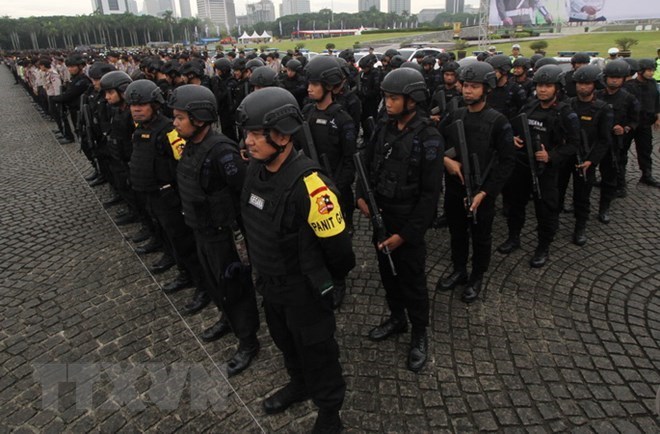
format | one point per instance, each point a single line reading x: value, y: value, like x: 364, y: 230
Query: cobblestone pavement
x: 573, y: 346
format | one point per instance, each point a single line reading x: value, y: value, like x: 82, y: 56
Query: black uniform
x: 120, y: 148
x: 405, y: 170
x: 210, y: 175
x: 221, y: 87
x: 351, y: 103
x: 596, y: 121
x: 334, y: 134
x: 507, y: 99
x: 369, y: 94
x: 71, y: 98
x: 298, y: 245
x: 297, y: 86
x: 646, y: 92
x: 626, y: 110
x: 488, y: 134
x: 558, y: 128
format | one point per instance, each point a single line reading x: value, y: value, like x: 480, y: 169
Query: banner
x: 512, y: 13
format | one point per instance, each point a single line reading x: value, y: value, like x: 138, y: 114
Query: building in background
x: 365, y: 5
x: 158, y: 7
x: 106, y: 7
x: 262, y: 11
x: 221, y: 13
x: 398, y: 6
x: 428, y: 15
x: 241, y: 21
x: 184, y: 6
x: 293, y: 7
x: 455, y: 6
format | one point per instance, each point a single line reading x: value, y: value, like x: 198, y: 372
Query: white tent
x: 265, y: 36
x: 244, y: 37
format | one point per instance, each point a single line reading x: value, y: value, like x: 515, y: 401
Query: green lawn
x: 649, y: 42
x: 341, y: 42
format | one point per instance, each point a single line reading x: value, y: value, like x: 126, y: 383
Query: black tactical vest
x: 120, y: 145
x: 479, y: 136
x: 202, y: 210
x: 151, y: 166
x: 325, y: 132
x: 274, y: 243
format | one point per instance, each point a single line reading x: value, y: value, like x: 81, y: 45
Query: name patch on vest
x: 325, y: 217
x: 177, y: 144
x: 586, y: 118
x: 256, y: 201
x: 145, y: 136
x: 321, y: 122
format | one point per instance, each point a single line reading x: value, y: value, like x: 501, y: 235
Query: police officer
x: 645, y: 89
x: 346, y: 96
x: 626, y: 118
x: 507, y: 97
x: 405, y: 169
x: 596, y: 119
x: 210, y: 176
x: 489, y: 140
x: 353, y: 73
x: 193, y: 72
x: 298, y: 245
x: 220, y: 85
x: 557, y: 128
x: 521, y: 67
x: 239, y: 86
x: 577, y: 61
x: 368, y: 90
x: 262, y: 77
x: 385, y: 61
x: 294, y: 80
x: 431, y: 75
x: 71, y: 96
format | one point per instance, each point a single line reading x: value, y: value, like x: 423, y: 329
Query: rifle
x: 465, y: 168
x: 520, y: 126
x: 583, y: 152
x: 376, y: 218
x: 614, y: 152
x: 440, y: 99
x: 309, y: 148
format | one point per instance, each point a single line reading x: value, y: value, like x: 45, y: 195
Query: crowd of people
x: 242, y: 171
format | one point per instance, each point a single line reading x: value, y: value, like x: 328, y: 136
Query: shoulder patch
x: 325, y: 217
x: 177, y: 144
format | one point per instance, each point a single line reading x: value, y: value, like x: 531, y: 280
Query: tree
x: 329, y: 46
x: 538, y: 46
x: 626, y: 44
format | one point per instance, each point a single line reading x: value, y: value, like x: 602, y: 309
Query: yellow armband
x: 177, y: 144
x: 325, y: 217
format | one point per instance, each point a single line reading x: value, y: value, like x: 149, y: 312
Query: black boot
x: 512, y: 243
x: 285, y: 397
x: 580, y: 234
x: 247, y: 351
x: 163, y: 264
x: 458, y: 277
x: 649, y: 180
x: 338, y: 293
x: 114, y: 200
x: 418, y: 350
x: 151, y: 246
x: 200, y: 301
x: 327, y: 422
x: 142, y: 235
x: 100, y: 180
x: 604, y: 213
x: 95, y: 174
x: 126, y: 219
x: 472, y: 290
x: 540, y: 257
x: 390, y: 327
x: 216, y: 331
x: 181, y: 281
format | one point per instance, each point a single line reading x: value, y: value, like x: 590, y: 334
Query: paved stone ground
x: 573, y: 346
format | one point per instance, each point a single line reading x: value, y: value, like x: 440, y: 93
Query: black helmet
x: 450, y: 66
x: 263, y: 76
x: 397, y: 61
x: 633, y: 63
x: 271, y: 108
x: 325, y: 70
x: 99, y: 69
x: 347, y: 55
x: 155, y: 65
x: 391, y: 53
x: 522, y: 61
x: 545, y: 61
x: 143, y: 92
x: 501, y: 62
x: 343, y: 65
x: 75, y: 60
x: 587, y: 74
x: 412, y: 65
x: 223, y: 64
x: 444, y: 57
x: 198, y: 101
x: 549, y: 74
x: 478, y: 72
x: 118, y: 80
x: 253, y: 64
x: 193, y: 67
x: 535, y: 58
x: 580, y: 58
x: 429, y: 60
x: 405, y: 81
x: 171, y: 67
x: 646, y: 64
x: 294, y: 65
x: 238, y: 64
x: 367, y: 61
x: 616, y: 68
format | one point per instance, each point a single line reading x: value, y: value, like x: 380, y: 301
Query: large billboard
x: 512, y: 13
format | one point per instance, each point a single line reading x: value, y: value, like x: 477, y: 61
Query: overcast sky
x: 26, y: 8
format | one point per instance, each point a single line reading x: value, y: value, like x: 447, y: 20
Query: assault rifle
x: 471, y: 179
x: 520, y: 127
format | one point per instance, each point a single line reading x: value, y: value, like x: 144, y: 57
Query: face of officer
x: 142, y: 112
x: 585, y: 89
x: 290, y: 73
x: 545, y: 91
x: 473, y: 92
x: 450, y: 78
x: 184, y: 125
x: 577, y: 66
x: 257, y: 144
x: 518, y: 71
x: 74, y: 69
x: 614, y: 82
x: 648, y: 74
x: 395, y: 104
x: 315, y: 90
x: 112, y: 96
x: 97, y: 84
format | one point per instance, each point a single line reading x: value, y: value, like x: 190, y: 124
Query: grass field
x: 649, y: 42
x: 341, y: 42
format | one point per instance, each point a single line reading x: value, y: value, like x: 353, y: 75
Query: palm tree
x: 168, y: 17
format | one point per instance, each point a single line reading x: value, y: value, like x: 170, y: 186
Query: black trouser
x: 609, y: 171
x: 581, y: 189
x: 228, y: 126
x: 547, y: 213
x: 54, y: 110
x: 406, y: 292
x: 347, y: 203
x: 643, y: 136
x: 121, y: 180
x: 302, y: 325
x: 234, y: 295
x: 68, y: 131
x: 460, y: 228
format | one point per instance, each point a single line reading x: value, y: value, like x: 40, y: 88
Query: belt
x: 519, y: 12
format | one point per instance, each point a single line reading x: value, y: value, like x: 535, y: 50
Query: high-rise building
x: 158, y: 7
x: 428, y: 15
x: 184, y: 5
x: 110, y: 6
x: 455, y: 6
x: 262, y: 11
x: 294, y: 7
x: 221, y: 13
x: 398, y: 6
x: 365, y: 5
